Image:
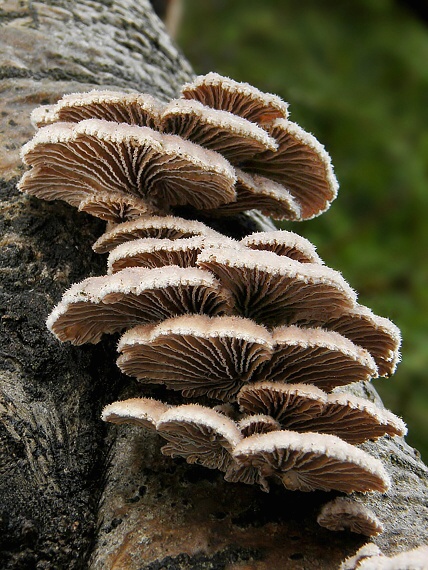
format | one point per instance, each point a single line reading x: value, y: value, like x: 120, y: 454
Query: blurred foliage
x: 355, y: 74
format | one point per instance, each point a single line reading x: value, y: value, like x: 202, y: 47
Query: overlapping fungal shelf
x: 259, y: 328
x: 223, y: 147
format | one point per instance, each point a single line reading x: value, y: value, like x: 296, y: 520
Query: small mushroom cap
x: 260, y: 423
x: 284, y: 402
x: 284, y: 243
x: 258, y: 193
x: 160, y: 227
x: 135, y: 109
x: 240, y: 99
x: 376, y: 334
x: 196, y: 354
x: 108, y: 304
x: 275, y: 290
x: 124, y: 158
x: 115, y: 207
x: 199, y: 434
x: 323, y: 358
x: 301, y: 164
x: 144, y: 412
x: 344, y: 513
x: 234, y: 137
x: 153, y: 252
x: 312, y: 461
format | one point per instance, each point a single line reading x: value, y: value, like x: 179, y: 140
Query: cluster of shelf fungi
x: 258, y: 334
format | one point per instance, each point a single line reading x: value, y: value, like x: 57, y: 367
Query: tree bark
x: 74, y: 492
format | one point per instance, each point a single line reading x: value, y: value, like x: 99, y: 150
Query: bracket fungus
x: 133, y: 296
x: 275, y: 290
x: 70, y: 161
x: 260, y: 325
x: 182, y: 152
x: 344, y: 513
x: 254, y: 450
x: 242, y: 99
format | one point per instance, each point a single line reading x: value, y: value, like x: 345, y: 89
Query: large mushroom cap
x: 312, y: 461
x: 234, y: 137
x: 71, y: 161
x: 323, y: 358
x: 274, y: 290
x: 196, y: 354
x: 132, y: 108
x: 283, y: 243
x: 160, y: 227
x: 301, y: 164
x: 258, y: 193
x: 143, y: 412
x: 108, y: 304
x: 305, y: 408
x: 199, y: 434
x: 240, y: 99
x: 346, y: 514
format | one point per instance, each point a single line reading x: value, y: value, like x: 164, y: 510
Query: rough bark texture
x: 75, y: 493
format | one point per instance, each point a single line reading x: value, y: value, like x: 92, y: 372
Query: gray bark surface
x: 76, y: 493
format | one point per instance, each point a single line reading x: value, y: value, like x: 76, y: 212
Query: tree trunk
x: 76, y: 493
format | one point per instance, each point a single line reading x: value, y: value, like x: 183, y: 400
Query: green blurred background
x: 356, y: 75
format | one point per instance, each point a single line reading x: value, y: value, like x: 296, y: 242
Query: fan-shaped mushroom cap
x: 312, y: 461
x: 144, y: 412
x: 133, y: 296
x: 376, y: 334
x: 260, y: 423
x: 258, y: 193
x: 199, y: 434
x: 284, y: 402
x: 323, y: 358
x: 240, y: 99
x: 196, y: 354
x: 304, y: 408
x: 115, y: 207
x: 275, y: 290
x: 152, y: 252
x: 353, y: 419
x: 71, y: 161
x: 135, y: 109
x: 283, y: 243
x: 346, y: 514
x: 165, y: 227
x: 301, y: 164
x: 234, y: 137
